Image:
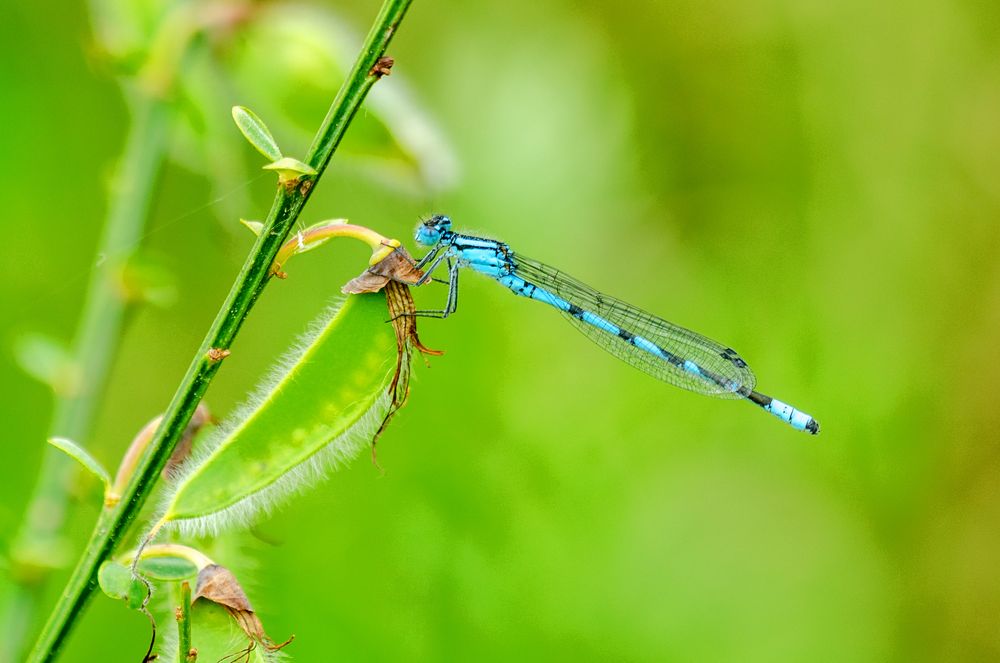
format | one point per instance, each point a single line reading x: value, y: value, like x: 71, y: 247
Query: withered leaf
x: 216, y: 583
x: 400, y: 304
x: 393, y: 275
x: 398, y: 266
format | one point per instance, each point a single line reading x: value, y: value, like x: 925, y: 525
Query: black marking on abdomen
x: 671, y: 357
x: 628, y: 337
x: 575, y: 311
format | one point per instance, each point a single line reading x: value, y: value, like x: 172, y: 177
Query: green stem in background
x: 288, y: 203
x: 37, y: 548
x: 38, y: 545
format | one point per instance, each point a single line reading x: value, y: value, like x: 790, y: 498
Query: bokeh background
x: 814, y: 183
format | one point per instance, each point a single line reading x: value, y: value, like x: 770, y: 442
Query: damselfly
x: 664, y: 350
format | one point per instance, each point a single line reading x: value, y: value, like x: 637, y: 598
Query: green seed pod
x: 320, y: 407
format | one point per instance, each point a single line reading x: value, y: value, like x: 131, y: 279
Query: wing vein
x: 723, y: 373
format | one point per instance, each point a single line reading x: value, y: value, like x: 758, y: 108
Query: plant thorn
x: 218, y: 354
x: 383, y: 67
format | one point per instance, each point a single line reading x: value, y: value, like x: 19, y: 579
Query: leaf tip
x: 82, y: 456
x: 256, y: 132
x: 256, y: 227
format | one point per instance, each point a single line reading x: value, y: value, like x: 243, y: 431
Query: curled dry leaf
x: 404, y: 324
x: 398, y: 266
x: 393, y: 275
x: 401, y: 309
x: 217, y: 584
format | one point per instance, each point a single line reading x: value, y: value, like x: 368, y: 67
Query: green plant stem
x: 38, y: 544
x: 184, y: 624
x: 114, y: 522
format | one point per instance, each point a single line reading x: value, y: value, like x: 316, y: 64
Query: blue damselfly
x: 660, y: 348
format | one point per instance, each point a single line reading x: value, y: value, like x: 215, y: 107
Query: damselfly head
x: 429, y: 232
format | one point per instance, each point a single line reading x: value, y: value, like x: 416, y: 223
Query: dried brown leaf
x: 216, y: 583
x: 393, y: 275
x: 398, y: 266
x: 399, y: 301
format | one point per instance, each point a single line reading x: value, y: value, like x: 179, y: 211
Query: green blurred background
x: 814, y: 183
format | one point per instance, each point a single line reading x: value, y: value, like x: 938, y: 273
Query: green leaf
x: 75, y: 451
x: 290, y: 169
x: 256, y: 132
x: 48, y: 361
x: 116, y: 580
x: 167, y: 567
x: 256, y: 227
x: 320, y: 409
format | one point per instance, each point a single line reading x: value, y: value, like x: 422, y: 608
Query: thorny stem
x: 288, y: 203
x: 36, y: 548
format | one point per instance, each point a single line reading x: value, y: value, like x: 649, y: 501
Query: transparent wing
x: 723, y: 373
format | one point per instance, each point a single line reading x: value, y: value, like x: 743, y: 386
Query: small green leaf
x: 256, y: 132
x: 289, y: 169
x: 75, y: 451
x: 167, y: 567
x: 48, y: 361
x: 321, y: 408
x: 116, y: 580
x: 256, y: 227
x: 167, y: 561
